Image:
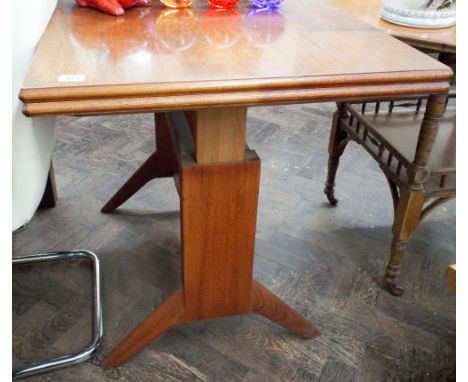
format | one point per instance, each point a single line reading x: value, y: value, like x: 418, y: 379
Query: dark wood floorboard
x: 326, y: 262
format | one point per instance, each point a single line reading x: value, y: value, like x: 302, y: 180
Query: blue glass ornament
x: 269, y: 4
x: 264, y: 26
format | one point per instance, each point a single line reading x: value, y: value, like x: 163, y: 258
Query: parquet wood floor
x: 325, y: 262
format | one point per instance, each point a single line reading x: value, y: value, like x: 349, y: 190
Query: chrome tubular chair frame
x: 88, y: 352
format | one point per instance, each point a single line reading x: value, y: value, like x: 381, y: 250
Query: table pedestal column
x: 218, y: 221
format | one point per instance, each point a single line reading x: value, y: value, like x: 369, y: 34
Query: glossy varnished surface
x: 200, y: 55
x: 442, y: 39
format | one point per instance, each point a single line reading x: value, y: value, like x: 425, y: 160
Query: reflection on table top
x: 441, y: 39
x: 157, y: 51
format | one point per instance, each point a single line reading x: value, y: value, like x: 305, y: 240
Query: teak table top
x: 439, y: 39
x: 159, y: 59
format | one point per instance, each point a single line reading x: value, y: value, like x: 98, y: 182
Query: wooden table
x: 436, y: 39
x: 212, y: 65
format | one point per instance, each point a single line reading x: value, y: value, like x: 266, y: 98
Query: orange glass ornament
x: 226, y: 4
x: 177, y: 3
x: 176, y: 30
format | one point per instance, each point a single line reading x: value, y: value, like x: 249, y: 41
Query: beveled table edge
x: 223, y: 86
x: 249, y: 97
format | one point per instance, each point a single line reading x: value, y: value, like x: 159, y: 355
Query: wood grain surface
x: 155, y: 59
x: 218, y: 217
x: 219, y: 135
x: 439, y: 39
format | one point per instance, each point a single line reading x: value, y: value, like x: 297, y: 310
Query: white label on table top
x: 72, y: 78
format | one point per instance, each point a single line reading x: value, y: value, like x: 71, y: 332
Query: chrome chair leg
x: 88, y: 352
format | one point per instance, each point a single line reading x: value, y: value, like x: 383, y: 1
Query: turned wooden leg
x: 49, y: 198
x: 407, y: 218
x: 408, y: 212
x: 268, y: 305
x: 336, y: 146
x: 392, y: 270
x: 161, y: 163
x: 169, y: 314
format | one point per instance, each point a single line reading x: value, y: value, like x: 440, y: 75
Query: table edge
x: 62, y: 93
x: 246, y: 97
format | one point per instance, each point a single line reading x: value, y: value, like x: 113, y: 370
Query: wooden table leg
x: 268, y: 305
x: 161, y: 164
x: 167, y: 315
x: 49, y: 198
x: 219, y: 199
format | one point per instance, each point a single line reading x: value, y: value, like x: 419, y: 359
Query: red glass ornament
x: 226, y: 4
x: 222, y: 27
